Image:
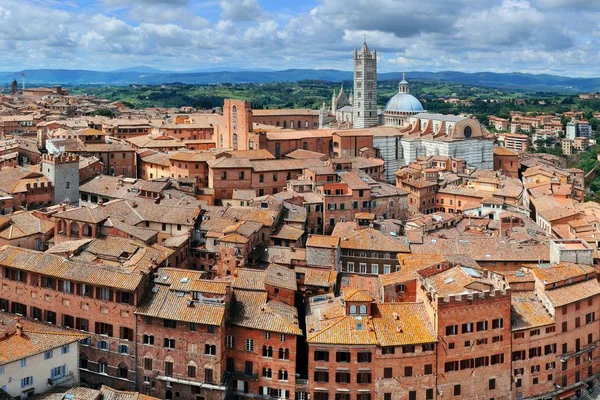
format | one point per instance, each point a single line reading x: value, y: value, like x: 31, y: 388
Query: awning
x: 567, y: 394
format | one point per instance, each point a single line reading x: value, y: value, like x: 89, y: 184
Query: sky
x: 534, y: 36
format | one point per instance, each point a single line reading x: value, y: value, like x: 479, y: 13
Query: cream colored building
x: 36, y: 357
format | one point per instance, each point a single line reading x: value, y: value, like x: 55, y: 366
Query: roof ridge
x: 339, y: 320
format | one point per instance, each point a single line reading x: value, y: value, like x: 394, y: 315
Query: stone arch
x: 62, y: 226
x: 87, y: 230
x: 74, y: 228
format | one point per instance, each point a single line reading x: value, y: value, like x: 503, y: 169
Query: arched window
x: 283, y: 375
x: 234, y: 117
x: 352, y: 309
x: 210, y: 350
x: 299, y: 125
x: 285, y: 124
x: 123, y: 349
x: 468, y: 131
x: 267, y: 351
x: 306, y: 124
x: 221, y: 141
x: 291, y: 124
x: 267, y: 372
x: 363, y: 309
x: 284, y: 354
x: 235, y: 141
x: 103, y: 366
x: 123, y: 370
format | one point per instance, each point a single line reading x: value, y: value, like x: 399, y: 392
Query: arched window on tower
x: 234, y: 117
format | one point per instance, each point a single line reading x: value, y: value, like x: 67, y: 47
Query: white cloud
x: 498, y: 35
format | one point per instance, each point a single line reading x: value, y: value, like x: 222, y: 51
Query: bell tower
x: 365, y: 87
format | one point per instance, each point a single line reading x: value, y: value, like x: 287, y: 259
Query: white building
x: 35, y: 357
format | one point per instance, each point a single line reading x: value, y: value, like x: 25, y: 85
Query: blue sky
x: 539, y: 36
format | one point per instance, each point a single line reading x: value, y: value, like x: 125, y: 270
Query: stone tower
x: 365, y: 87
x: 63, y: 171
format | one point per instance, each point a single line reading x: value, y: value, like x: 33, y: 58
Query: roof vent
x: 396, y: 316
x: 184, y: 280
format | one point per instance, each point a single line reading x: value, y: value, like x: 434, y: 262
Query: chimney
x: 19, y: 327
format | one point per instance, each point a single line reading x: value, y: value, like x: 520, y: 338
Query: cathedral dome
x: 404, y: 102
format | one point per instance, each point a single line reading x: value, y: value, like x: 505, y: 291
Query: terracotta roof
x: 400, y: 324
x: 287, y: 232
x: 527, y: 311
x: 322, y: 241
x: 317, y: 276
x: 26, y: 224
x: 249, y: 279
x: 59, y: 267
x: 109, y: 393
x: 574, y: 292
x: 369, y: 239
x: 459, y: 280
x: 162, y: 302
x: 327, y: 323
x: 352, y: 294
x: 279, y: 276
x: 252, y: 310
x: 37, y: 338
x: 560, y: 272
x: 484, y: 249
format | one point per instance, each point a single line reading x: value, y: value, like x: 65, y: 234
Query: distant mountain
x: 142, y: 69
x: 149, y: 76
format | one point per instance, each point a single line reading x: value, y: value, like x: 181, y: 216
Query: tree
x: 104, y: 112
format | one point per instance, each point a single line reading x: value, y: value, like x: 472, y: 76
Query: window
x: 589, y: 318
x: 364, y: 357
x: 321, y: 376
x: 147, y: 364
x: 249, y: 345
x: 428, y: 369
x: 27, y: 381
x: 208, y: 375
x: 451, y: 330
x: 564, y: 326
x: 168, y: 368
x: 169, y: 343
x: 342, y: 377
x: 321, y: 355
x: 482, y: 326
x: 492, y: 384
x: 23, y: 362
x: 191, y: 371
x: 388, y: 350
x: 497, y: 323
x: 342, y: 356
x: 429, y: 394
x: 363, y: 377
x: 230, y: 341
x: 387, y: 372
x: 123, y: 349
x: 467, y: 328
x: 103, y: 345
x: 148, y: 339
x: 457, y: 390
x: 412, y: 395
x: 408, y: 371
x: 210, y: 350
